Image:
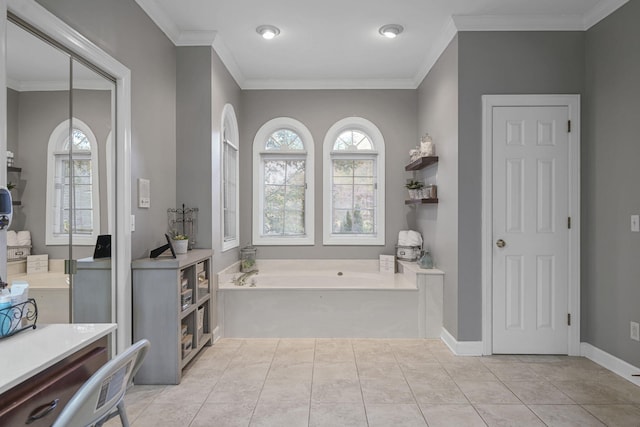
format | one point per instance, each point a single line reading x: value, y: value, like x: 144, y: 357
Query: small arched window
x: 230, y: 187
x: 73, y: 201
x: 354, y: 184
x: 283, y: 184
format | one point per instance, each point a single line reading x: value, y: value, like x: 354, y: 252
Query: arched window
x: 283, y: 184
x: 353, y: 184
x: 230, y: 188
x: 76, y: 211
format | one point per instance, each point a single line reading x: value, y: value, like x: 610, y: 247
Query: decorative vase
x: 413, y: 193
x: 181, y: 246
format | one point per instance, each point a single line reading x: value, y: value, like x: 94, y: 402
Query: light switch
x: 144, y: 193
x: 635, y: 223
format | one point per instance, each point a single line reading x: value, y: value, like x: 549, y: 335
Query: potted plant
x: 180, y: 243
x: 414, y: 188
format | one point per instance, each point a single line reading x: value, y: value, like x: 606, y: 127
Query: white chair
x: 101, y: 397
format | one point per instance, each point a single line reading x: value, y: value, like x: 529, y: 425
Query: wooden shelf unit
x: 421, y: 163
x: 160, y: 313
x: 421, y: 201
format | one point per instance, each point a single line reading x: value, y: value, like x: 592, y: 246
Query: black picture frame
x: 155, y: 253
x: 103, y: 247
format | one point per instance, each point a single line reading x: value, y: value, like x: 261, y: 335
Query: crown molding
x: 355, y: 84
x: 601, y: 10
x: 442, y: 42
x: 161, y: 19
x: 229, y: 61
x: 519, y: 22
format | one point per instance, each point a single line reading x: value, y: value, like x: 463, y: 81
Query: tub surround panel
x: 410, y: 306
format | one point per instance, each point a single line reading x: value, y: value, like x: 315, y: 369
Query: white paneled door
x: 530, y: 229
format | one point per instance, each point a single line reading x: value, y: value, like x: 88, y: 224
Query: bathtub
x: 330, y: 298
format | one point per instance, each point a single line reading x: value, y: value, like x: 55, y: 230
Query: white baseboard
x: 612, y: 363
x: 461, y: 348
x: 216, y: 334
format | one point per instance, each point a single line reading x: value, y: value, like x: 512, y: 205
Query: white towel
x: 24, y: 238
x: 12, y: 238
x: 409, y: 238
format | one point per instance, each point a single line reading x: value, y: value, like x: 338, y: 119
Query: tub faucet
x: 242, y: 279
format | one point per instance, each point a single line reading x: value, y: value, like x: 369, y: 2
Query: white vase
x: 181, y: 246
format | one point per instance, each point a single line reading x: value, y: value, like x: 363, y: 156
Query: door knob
x: 501, y: 243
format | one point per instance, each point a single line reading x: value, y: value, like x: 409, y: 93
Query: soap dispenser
x: 425, y: 260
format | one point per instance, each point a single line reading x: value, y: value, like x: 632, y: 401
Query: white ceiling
x: 335, y: 43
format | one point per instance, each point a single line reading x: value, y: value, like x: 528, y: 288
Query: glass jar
x: 248, y: 259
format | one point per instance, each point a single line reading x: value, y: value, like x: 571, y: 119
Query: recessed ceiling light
x: 391, y: 31
x: 268, y: 31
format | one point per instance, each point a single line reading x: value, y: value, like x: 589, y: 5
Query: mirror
x: 60, y: 118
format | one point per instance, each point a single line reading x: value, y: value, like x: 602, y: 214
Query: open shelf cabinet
x: 172, y: 302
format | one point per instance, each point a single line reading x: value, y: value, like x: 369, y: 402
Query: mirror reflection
x: 59, y: 131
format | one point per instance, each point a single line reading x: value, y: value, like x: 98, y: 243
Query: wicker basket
x: 15, y: 253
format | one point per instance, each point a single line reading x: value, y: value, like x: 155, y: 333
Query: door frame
x: 573, y: 104
x: 36, y: 15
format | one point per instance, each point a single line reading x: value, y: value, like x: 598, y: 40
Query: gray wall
x: 438, y: 115
x: 204, y: 86
x: 122, y: 29
x: 12, y: 123
x: 39, y: 113
x: 392, y: 111
x: 610, y: 177
x: 499, y: 63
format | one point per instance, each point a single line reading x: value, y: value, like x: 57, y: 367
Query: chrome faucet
x: 242, y: 279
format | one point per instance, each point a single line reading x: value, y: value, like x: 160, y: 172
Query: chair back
x: 102, y: 392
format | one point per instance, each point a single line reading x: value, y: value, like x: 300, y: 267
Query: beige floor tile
x: 336, y: 390
x: 589, y: 392
x: 487, y: 392
x: 231, y: 391
x: 337, y: 415
x: 508, y: 416
x: 386, y: 415
x: 301, y: 371
x: 445, y: 395
x: 425, y: 372
x: 224, y: 414
x: 538, y: 392
x: 565, y: 416
x: 379, y: 370
x: 160, y: 414
x: 510, y: 371
x: 464, y: 371
x: 386, y: 390
x: 286, y: 390
x: 344, y: 370
x: 272, y: 382
x: 452, y: 415
x: 272, y: 414
x: 616, y: 415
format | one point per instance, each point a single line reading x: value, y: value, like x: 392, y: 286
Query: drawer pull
x: 42, y: 411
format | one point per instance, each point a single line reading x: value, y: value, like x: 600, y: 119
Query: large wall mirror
x: 60, y: 118
x: 68, y: 140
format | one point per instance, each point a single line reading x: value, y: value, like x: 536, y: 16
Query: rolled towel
x: 409, y: 238
x: 24, y: 238
x: 12, y: 238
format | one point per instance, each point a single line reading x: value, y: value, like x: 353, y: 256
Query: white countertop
x: 34, y: 350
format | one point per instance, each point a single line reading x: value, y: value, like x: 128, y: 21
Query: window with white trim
x: 283, y: 184
x: 230, y: 189
x: 353, y: 170
x: 73, y: 199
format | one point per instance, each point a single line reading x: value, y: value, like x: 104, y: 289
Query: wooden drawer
x: 41, y: 398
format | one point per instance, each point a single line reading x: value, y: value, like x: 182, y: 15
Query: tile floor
x: 362, y: 382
